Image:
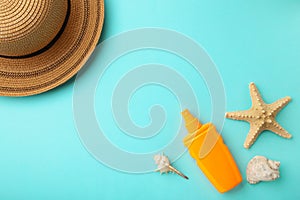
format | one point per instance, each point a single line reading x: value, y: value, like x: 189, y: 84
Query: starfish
x: 261, y: 116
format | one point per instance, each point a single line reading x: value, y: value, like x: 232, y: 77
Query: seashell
x: 164, y: 166
x: 261, y: 168
x: 162, y: 163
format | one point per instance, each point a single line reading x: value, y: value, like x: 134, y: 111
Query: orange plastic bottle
x: 213, y: 157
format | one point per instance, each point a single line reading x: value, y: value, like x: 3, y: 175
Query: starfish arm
x: 278, y: 105
x: 239, y: 115
x: 255, y: 95
x: 254, y: 132
x: 276, y: 128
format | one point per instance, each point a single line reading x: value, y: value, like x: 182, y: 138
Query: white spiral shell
x: 262, y: 169
x: 162, y: 163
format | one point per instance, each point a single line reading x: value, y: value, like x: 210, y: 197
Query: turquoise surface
x: 42, y: 156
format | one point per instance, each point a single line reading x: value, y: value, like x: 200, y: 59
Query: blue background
x: 41, y: 156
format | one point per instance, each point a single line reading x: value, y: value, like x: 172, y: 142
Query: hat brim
x: 54, y: 66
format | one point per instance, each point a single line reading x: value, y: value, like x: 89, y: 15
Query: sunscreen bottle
x: 213, y: 157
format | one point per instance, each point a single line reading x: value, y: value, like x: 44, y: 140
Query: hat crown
x: 27, y: 26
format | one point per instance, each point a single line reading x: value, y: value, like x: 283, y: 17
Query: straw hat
x: 43, y: 43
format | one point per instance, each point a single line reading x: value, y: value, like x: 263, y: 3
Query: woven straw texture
x: 43, y: 43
